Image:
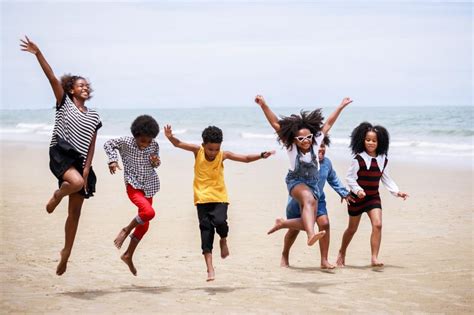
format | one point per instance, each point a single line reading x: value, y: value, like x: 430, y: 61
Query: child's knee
x: 377, y: 226
x: 150, y: 213
x: 352, y: 229
x: 324, y: 226
x: 76, y: 183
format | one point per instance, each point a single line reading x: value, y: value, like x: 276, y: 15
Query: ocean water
x: 421, y: 134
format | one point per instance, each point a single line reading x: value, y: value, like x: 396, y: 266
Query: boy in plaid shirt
x: 140, y: 157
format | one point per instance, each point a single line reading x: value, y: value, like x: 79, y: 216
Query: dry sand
x: 426, y: 246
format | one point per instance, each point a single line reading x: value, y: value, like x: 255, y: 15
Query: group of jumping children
x: 304, y: 136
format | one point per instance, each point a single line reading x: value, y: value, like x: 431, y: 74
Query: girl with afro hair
x: 369, y: 144
x: 302, y: 136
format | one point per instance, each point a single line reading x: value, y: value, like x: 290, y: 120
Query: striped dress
x: 75, y: 127
x: 368, y: 180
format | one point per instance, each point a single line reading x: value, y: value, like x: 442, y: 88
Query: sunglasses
x: 303, y: 138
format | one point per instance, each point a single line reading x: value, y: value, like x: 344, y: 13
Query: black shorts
x: 61, y: 157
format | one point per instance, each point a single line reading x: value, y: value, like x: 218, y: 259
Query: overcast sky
x: 221, y: 53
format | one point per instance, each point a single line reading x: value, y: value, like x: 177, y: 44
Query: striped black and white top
x: 138, y: 170
x: 74, y: 126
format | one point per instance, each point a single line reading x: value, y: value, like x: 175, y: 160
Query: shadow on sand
x: 216, y: 290
x: 93, y: 294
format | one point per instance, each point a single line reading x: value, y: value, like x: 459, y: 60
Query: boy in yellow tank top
x: 210, y: 194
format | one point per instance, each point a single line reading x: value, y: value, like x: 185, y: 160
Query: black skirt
x: 61, y: 157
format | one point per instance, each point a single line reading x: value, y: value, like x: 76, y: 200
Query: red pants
x: 145, y: 210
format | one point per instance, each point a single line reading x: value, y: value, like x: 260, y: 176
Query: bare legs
x: 211, y: 274
x: 289, y: 240
x: 290, y: 237
x: 70, y: 229
x: 375, y: 216
x: 210, y: 268
x: 323, y: 225
x: 124, y: 233
x: 308, y: 205
x: 73, y: 182
x: 127, y: 257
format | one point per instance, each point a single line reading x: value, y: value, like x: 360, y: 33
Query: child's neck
x: 373, y: 154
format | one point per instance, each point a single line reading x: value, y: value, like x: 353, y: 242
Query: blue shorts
x: 293, y: 209
x: 312, y: 184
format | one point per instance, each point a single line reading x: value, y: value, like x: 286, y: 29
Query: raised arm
x: 246, y: 158
x: 29, y: 46
x: 333, y: 117
x: 271, y: 117
x: 178, y: 143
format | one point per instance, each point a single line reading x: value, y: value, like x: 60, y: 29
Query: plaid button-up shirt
x: 138, y: 169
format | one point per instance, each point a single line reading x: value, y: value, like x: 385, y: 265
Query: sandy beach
x: 426, y: 246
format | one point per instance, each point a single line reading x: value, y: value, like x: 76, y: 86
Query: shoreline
x: 425, y: 162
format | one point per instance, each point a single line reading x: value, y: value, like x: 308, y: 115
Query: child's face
x: 371, y: 143
x: 143, y: 142
x: 81, y: 89
x: 211, y: 150
x: 304, y: 139
x: 322, y: 152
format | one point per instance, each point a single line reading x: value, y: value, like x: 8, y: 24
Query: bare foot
x: 210, y: 275
x: 376, y: 263
x: 313, y: 239
x: 224, y: 248
x: 120, y: 238
x: 128, y: 260
x: 61, y: 268
x: 53, y: 202
x: 285, y: 261
x: 277, y: 226
x: 341, y: 260
x: 326, y: 265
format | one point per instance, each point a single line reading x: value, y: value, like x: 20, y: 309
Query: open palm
x: 29, y: 46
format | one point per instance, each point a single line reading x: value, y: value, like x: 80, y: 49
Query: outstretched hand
x: 267, y: 154
x: 346, y: 101
x: 29, y: 46
x: 260, y: 100
x: 168, y: 131
x: 402, y: 195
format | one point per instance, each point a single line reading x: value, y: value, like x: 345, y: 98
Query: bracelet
x: 262, y: 154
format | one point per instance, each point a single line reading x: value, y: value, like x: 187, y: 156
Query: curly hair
x: 68, y: 80
x: 145, y: 125
x: 212, y: 134
x: 358, y: 138
x: 327, y: 141
x: 290, y: 125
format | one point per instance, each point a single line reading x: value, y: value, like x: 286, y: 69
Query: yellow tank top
x: 209, y: 183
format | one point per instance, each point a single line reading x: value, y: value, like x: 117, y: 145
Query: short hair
x: 145, y: 125
x: 212, y: 134
x: 290, y: 125
x: 358, y: 138
x: 326, y: 140
x: 68, y: 80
